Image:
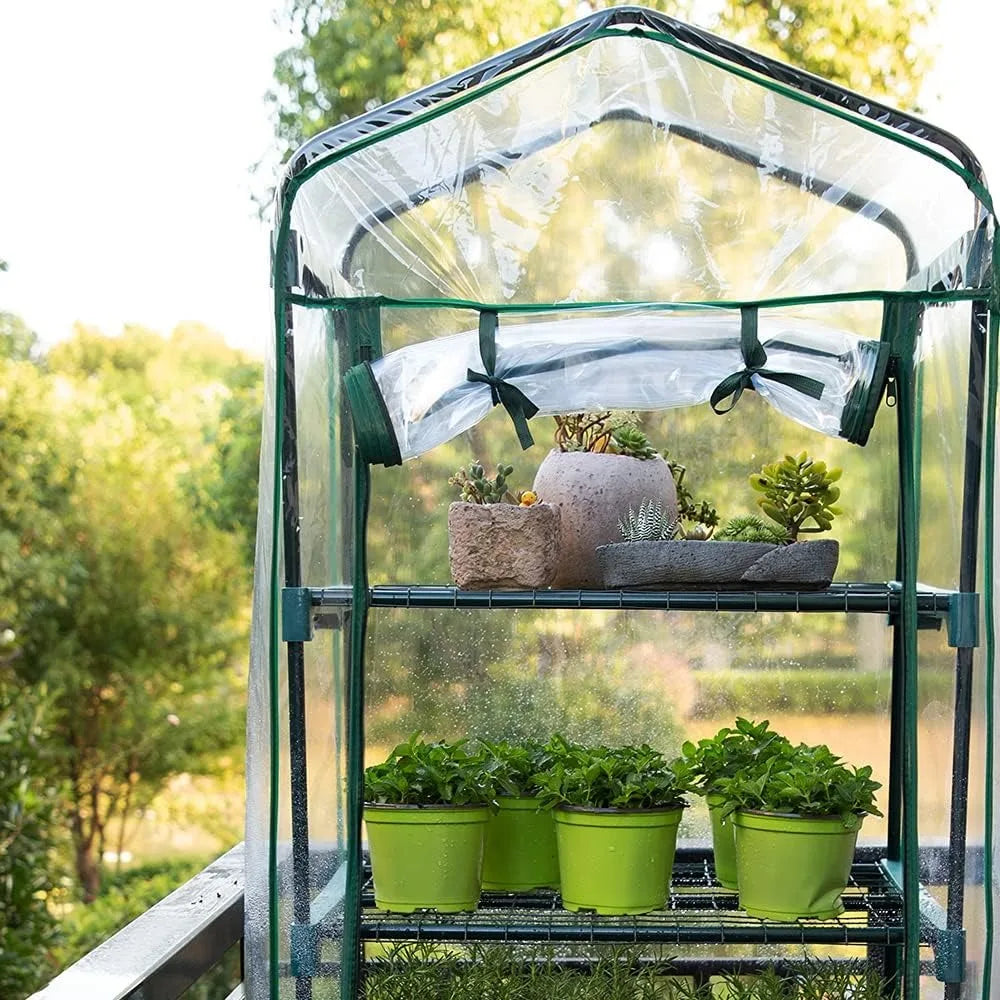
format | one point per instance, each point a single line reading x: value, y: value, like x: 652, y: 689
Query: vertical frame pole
x: 968, y: 568
x: 906, y: 415
x: 296, y: 655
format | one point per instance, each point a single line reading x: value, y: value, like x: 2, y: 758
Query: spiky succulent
x: 648, y: 524
x: 750, y: 528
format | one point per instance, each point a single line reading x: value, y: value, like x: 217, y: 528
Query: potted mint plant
x: 426, y: 809
x: 617, y: 810
x: 520, y: 835
x: 726, y: 755
x: 797, y: 817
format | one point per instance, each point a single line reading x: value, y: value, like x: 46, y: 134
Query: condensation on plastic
x: 631, y: 361
x: 664, y: 178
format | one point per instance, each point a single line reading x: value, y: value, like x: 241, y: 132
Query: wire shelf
x: 872, y: 598
x: 699, y: 911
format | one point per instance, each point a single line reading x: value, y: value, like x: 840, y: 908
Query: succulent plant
x: 701, y: 514
x: 750, y: 528
x: 629, y: 440
x: 476, y: 487
x: 648, y: 524
x: 614, y: 432
x: 797, y: 490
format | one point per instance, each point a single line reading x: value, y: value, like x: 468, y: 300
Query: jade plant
x: 602, y: 777
x: 608, y: 432
x: 732, y: 752
x: 418, y: 773
x: 648, y: 524
x: 476, y: 487
x: 804, y: 781
x: 515, y: 768
x: 796, y: 491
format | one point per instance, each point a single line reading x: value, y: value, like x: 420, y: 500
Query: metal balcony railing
x: 169, y: 947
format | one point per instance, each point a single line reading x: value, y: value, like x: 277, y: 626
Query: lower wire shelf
x: 699, y: 912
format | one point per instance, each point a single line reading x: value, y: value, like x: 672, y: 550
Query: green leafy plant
x: 476, y: 487
x: 514, y: 768
x: 731, y: 752
x: 805, y: 781
x: 648, y: 524
x: 797, y: 490
x: 418, y: 773
x: 698, y: 518
x: 750, y: 528
x: 631, y: 777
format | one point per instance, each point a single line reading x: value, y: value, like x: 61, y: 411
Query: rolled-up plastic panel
x: 422, y: 395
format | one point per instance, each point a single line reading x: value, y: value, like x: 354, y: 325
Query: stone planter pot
x: 502, y: 546
x: 593, y: 492
x: 715, y: 565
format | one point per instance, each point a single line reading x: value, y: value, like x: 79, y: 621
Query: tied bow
x: 755, y: 357
x: 515, y: 402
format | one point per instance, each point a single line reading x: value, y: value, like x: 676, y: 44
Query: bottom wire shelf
x: 699, y: 912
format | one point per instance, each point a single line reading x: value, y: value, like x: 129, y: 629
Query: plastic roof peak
x: 841, y: 98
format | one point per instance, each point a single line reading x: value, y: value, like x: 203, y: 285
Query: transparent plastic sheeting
x: 420, y: 396
x: 662, y: 176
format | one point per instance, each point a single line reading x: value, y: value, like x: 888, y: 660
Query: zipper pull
x: 891, y: 387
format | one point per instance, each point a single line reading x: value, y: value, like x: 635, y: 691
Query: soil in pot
x: 501, y: 545
x: 593, y: 491
x: 520, y: 847
x: 792, y: 867
x: 723, y: 842
x: 426, y: 857
x: 615, y: 861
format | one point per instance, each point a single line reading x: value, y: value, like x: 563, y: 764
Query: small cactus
x: 475, y: 487
x: 649, y: 524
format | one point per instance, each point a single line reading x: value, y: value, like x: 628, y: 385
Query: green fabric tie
x: 515, y: 402
x: 755, y: 357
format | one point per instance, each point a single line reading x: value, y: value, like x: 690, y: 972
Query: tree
x: 355, y: 55
x: 124, y: 603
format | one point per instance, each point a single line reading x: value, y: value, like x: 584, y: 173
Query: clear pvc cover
x: 632, y: 361
x: 662, y: 175
x: 584, y: 197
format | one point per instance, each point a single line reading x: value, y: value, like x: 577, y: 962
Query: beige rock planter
x: 501, y: 546
x: 592, y: 491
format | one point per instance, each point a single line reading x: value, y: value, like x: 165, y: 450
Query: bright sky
x: 129, y: 128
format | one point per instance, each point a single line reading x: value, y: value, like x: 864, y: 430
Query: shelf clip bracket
x: 963, y: 621
x: 296, y: 614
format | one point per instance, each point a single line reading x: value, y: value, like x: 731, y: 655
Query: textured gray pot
x: 714, y: 565
x: 502, y: 546
x: 592, y: 492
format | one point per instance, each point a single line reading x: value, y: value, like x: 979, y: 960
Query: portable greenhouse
x: 627, y: 213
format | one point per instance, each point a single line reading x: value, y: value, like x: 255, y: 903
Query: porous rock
x: 503, y: 546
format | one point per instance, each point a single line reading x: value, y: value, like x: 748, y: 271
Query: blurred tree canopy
x: 124, y: 520
x: 355, y: 54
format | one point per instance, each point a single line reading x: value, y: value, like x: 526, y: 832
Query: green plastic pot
x: 792, y: 867
x: 520, y: 847
x: 723, y: 841
x: 426, y: 857
x: 615, y: 860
